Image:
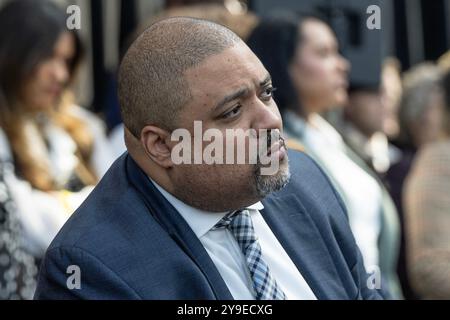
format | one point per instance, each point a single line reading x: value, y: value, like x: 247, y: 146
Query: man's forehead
x: 233, y: 68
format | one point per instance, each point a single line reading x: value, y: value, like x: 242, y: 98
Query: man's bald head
x: 152, y: 88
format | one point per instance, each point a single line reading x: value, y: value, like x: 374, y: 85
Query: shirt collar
x: 200, y: 221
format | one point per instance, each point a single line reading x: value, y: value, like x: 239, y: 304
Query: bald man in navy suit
x: 157, y: 228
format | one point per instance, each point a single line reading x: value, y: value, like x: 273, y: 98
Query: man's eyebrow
x: 240, y: 93
x: 233, y: 96
x: 266, y: 81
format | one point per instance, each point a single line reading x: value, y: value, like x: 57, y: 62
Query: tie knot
x: 240, y: 224
x: 226, y: 221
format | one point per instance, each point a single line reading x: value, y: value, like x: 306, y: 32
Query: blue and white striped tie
x: 241, y: 226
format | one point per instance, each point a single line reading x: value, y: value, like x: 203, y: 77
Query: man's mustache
x: 278, y: 135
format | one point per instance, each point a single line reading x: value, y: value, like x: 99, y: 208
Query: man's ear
x: 154, y: 141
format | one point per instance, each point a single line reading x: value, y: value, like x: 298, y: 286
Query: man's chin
x: 266, y: 184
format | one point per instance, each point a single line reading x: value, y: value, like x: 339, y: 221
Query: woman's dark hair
x: 274, y: 41
x: 29, y: 30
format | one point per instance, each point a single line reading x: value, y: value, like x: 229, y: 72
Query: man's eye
x: 232, y: 113
x: 268, y: 93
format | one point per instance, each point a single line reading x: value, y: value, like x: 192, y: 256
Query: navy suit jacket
x: 130, y: 243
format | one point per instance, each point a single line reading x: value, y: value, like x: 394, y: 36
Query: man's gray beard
x: 266, y: 184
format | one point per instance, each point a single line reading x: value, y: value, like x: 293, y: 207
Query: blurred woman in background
x: 302, y: 56
x: 54, y: 149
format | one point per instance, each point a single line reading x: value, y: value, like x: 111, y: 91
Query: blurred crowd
x: 385, y: 146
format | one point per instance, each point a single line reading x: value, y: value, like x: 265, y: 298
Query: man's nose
x: 267, y: 117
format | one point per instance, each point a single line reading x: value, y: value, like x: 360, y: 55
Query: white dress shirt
x: 229, y: 259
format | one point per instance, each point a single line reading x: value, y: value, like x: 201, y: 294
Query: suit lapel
x: 299, y: 236
x: 177, y: 228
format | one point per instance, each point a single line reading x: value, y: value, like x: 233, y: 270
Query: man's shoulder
x: 313, y: 193
x: 105, y: 214
x: 308, y: 179
x: 111, y: 231
x: 298, y: 159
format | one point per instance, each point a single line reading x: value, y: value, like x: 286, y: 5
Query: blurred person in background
x: 55, y: 150
x: 422, y: 105
x: 420, y: 117
x: 310, y: 76
x: 427, y: 212
x: 368, y: 122
x: 370, y: 118
x: 362, y: 126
